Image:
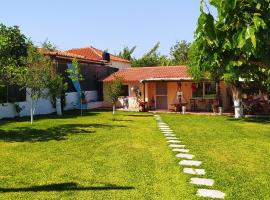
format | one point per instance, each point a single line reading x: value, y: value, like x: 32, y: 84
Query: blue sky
x: 107, y: 24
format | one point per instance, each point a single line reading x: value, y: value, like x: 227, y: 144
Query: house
x: 94, y: 65
x: 168, y: 87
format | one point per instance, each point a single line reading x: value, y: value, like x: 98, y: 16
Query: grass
x: 235, y: 153
x: 89, y: 157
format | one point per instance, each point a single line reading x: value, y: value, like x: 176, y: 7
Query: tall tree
x: 179, y: 53
x: 113, y: 91
x: 34, y: 77
x: 151, y: 58
x: 13, y: 51
x: 126, y: 53
x: 235, y: 46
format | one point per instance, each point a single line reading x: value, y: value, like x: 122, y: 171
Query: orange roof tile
x: 151, y: 73
x: 94, y: 54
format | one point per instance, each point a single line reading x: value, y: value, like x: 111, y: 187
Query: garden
x: 125, y: 156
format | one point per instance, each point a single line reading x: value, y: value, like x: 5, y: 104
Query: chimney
x: 106, y: 56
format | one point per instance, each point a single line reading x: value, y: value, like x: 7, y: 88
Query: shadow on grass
x: 260, y: 120
x: 66, y: 115
x: 57, y: 133
x: 139, y: 115
x: 61, y: 187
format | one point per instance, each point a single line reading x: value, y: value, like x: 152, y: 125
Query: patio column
x: 144, y: 91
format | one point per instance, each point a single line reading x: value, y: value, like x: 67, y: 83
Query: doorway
x: 161, y: 96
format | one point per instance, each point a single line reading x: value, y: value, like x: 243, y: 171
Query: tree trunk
x: 32, y: 112
x: 237, y: 101
x: 113, y: 109
x: 58, y: 106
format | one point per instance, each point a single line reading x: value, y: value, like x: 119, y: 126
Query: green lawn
x: 235, y: 153
x: 89, y: 157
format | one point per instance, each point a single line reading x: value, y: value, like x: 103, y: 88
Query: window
x: 12, y: 94
x: 210, y: 90
x: 203, y: 90
x: 197, y: 90
x: 124, y: 91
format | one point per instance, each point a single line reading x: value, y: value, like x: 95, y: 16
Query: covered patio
x: 169, y: 88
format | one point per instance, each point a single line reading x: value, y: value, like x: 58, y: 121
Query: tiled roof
x: 94, y: 54
x: 151, y: 73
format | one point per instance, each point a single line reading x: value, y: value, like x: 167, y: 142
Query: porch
x: 171, y: 95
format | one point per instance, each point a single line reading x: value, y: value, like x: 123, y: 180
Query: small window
x: 124, y: 91
x: 210, y: 90
x: 197, y: 90
x: 204, y: 90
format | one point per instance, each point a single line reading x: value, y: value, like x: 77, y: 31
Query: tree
x: 151, y: 58
x: 56, y: 88
x: 48, y: 45
x: 34, y: 77
x: 114, y: 91
x: 126, y: 53
x: 13, y: 51
x: 75, y: 75
x: 235, y: 46
x: 179, y: 53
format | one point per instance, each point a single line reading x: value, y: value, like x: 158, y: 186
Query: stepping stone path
x: 171, y: 138
x: 177, y: 145
x: 210, y: 193
x: 184, y: 155
x: 181, y: 150
x: 189, y: 164
x: 202, y: 181
x: 194, y: 171
x: 174, y: 141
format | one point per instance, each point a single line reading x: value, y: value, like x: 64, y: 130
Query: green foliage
x: 13, y: 51
x: 35, y: 75
x: 113, y: 90
x: 75, y: 73
x: 236, y: 44
x: 48, y: 45
x: 179, y: 53
x: 127, y: 52
x: 151, y: 58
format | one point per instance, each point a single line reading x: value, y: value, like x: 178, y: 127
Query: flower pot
x: 220, y: 110
x: 184, y: 108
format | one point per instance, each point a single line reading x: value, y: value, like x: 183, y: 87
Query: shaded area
x: 57, y: 133
x: 139, y: 115
x: 61, y: 187
x: 66, y: 115
x: 260, y: 120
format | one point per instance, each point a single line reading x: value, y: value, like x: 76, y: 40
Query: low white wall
x: 44, y: 106
x: 72, y: 99
x: 7, y: 110
x: 93, y: 105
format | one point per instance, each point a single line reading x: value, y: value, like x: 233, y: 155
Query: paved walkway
x: 189, y: 164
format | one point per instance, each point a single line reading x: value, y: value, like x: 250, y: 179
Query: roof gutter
x: 165, y: 79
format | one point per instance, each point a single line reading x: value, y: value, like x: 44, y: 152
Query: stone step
x: 165, y: 132
x: 184, y: 155
x: 169, y: 134
x: 215, y: 194
x: 172, y: 138
x: 202, y: 181
x: 181, y: 150
x: 194, y: 171
x: 177, y: 145
x: 173, y: 141
x: 190, y: 163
